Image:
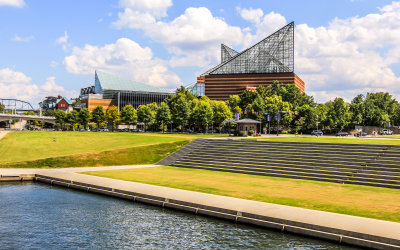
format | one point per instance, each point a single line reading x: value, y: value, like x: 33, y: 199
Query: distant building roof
x: 113, y: 82
x: 248, y: 121
x: 64, y: 98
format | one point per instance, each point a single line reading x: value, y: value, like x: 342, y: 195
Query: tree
x: 379, y: 108
x: 247, y: 98
x: 180, y: 110
x: 309, y: 115
x: 49, y: 112
x: 203, y: 113
x: 146, y: 115
x: 357, y: 109
x: 163, y: 115
x: 221, y: 112
x: 98, y: 116
x: 113, y: 116
x: 2, y: 107
x: 60, y: 116
x: 234, y: 104
x: 72, y: 119
x: 129, y: 115
x: 338, y: 113
x: 84, y: 117
x: 229, y: 124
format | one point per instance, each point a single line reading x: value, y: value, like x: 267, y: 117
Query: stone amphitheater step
x: 316, y: 169
x: 343, y: 174
x: 193, y: 146
x: 376, y: 165
x: 274, y: 159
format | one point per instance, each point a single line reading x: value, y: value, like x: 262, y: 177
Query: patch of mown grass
x: 365, y: 201
x: 334, y: 140
x: 34, y: 145
x: 127, y: 156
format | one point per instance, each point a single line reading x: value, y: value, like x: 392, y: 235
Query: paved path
x: 338, y: 222
x: 18, y: 171
x: 3, y: 133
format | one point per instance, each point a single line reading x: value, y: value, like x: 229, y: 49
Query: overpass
x: 48, y: 119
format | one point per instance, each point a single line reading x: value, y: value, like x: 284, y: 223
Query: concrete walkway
x: 3, y: 133
x: 347, y: 229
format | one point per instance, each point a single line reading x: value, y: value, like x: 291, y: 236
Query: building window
x: 200, y: 89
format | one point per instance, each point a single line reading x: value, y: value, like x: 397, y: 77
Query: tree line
x: 268, y: 104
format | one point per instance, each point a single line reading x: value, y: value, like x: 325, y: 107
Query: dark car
x: 342, y: 133
x: 317, y: 133
x: 360, y: 134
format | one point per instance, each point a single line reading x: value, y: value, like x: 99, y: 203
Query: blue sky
x: 342, y: 47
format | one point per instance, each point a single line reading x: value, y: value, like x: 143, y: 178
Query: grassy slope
x: 127, y: 156
x: 34, y: 145
x: 373, y: 202
x: 333, y: 140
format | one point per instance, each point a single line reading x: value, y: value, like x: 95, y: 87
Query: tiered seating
x: 376, y: 165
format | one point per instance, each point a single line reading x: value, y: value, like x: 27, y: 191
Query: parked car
x: 317, y: 133
x: 125, y: 130
x: 386, y: 132
x: 360, y: 134
x: 342, y: 133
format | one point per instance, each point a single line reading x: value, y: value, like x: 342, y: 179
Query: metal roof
x: 113, y: 82
x: 247, y: 121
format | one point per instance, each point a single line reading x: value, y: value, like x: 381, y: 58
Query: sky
x: 342, y: 47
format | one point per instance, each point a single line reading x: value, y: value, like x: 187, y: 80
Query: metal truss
x: 15, y: 104
x: 274, y: 54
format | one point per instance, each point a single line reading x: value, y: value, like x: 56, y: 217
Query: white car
x: 386, y: 132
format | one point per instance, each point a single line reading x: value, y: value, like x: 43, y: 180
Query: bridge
x: 16, y: 105
x: 7, y: 117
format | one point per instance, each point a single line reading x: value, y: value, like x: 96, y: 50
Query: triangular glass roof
x: 227, y: 53
x: 274, y: 54
x: 113, y: 82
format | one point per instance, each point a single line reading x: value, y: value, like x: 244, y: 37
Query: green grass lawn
x: 35, y: 145
x: 333, y: 140
x: 365, y: 201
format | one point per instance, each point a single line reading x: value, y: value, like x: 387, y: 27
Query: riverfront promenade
x: 331, y: 226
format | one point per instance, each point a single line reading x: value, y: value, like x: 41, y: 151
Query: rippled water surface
x: 44, y: 217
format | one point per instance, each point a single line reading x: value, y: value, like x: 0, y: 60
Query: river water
x: 38, y: 216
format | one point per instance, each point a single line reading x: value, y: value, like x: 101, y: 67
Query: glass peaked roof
x: 273, y: 54
x: 227, y: 53
x: 113, y: 82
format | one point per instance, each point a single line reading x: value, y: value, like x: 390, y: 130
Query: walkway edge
x: 316, y: 231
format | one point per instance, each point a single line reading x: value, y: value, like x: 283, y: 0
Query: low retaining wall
x: 310, y: 230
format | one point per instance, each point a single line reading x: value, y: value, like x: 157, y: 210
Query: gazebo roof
x: 248, y: 121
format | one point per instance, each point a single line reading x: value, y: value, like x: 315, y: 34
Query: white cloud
x: 13, y: 3
x: 157, y: 8
x: 193, y: 38
x: 251, y: 15
x: 54, y: 64
x: 264, y: 25
x: 63, y: 39
x: 23, y: 39
x: 346, y: 57
x: 124, y: 57
x: 17, y: 85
